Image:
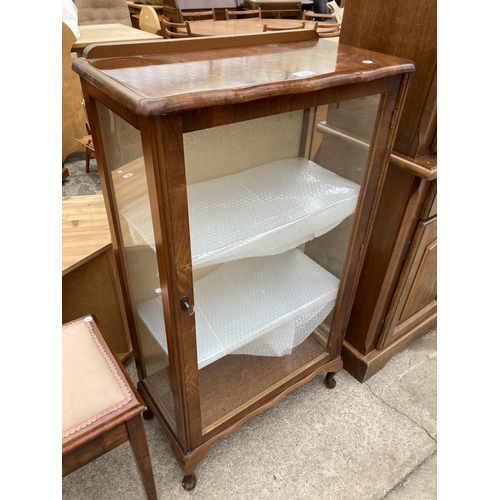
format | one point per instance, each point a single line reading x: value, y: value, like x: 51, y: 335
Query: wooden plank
x: 85, y: 230
x: 89, y: 276
x: 102, y: 33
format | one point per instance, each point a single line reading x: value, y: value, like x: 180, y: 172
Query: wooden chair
x: 337, y: 11
x: 170, y: 29
x: 309, y: 15
x: 328, y: 30
x: 243, y: 14
x: 280, y: 28
x: 73, y: 119
x: 101, y: 407
x: 197, y: 15
x: 148, y: 20
x: 86, y: 141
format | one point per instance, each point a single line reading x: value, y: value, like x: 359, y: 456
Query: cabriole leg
x: 330, y: 381
x: 189, y: 481
x: 147, y: 414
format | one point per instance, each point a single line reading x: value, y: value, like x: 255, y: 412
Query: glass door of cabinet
x: 271, y: 208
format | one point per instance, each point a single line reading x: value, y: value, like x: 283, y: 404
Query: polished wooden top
x: 103, y: 33
x: 179, y: 75
x: 242, y: 26
x: 85, y: 230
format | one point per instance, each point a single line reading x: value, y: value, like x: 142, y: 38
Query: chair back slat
x: 243, y: 14
x: 281, y: 28
x: 176, y: 30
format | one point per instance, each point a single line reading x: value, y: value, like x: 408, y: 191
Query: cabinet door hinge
x: 382, y: 326
x: 408, y: 250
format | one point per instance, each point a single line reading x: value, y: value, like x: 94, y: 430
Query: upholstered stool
x: 101, y: 407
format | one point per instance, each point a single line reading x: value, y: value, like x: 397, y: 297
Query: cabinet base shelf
x: 261, y: 306
x: 230, y: 385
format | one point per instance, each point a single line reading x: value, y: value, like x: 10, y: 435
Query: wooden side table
x: 89, y: 274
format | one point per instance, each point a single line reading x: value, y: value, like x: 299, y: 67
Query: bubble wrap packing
x: 264, y: 210
x: 262, y: 306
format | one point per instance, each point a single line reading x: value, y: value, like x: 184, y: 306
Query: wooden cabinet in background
x: 415, y: 299
x: 396, y: 300
x: 276, y: 8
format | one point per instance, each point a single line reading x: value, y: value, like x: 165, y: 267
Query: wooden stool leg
x: 139, y: 445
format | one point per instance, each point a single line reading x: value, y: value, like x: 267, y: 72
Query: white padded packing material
x: 262, y: 306
x: 264, y: 210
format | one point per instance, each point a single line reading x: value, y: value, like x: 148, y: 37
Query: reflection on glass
x: 260, y: 192
x: 342, y: 134
x: 125, y: 163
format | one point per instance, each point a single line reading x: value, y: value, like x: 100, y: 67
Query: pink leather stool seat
x: 101, y: 407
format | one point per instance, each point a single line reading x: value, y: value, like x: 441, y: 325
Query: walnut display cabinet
x: 239, y: 235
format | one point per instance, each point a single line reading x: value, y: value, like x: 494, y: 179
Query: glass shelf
x: 261, y: 211
x: 261, y: 306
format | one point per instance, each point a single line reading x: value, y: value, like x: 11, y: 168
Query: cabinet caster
x: 147, y: 414
x: 330, y: 381
x: 189, y: 482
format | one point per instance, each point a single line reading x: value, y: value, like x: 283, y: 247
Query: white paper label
x: 304, y: 73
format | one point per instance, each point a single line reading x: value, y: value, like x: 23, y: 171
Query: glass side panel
x: 125, y: 163
x: 343, y: 133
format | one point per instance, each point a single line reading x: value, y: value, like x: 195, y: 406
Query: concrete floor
x: 371, y: 441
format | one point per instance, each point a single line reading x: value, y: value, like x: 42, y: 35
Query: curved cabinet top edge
x: 169, y: 81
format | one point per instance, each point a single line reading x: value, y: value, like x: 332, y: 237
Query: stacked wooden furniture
x: 172, y: 8
x: 135, y: 9
x: 396, y: 301
x: 286, y: 9
x: 239, y: 243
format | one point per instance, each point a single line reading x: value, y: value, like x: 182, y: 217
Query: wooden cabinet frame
x: 162, y: 121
